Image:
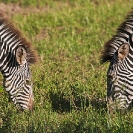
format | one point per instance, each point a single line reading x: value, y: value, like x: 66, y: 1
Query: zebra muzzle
x: 31, y: 103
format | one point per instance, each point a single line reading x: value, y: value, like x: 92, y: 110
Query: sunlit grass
x: 69, y: 81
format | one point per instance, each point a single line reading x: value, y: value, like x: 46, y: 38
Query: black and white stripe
x: 120, y: 72
x: 14, y: 66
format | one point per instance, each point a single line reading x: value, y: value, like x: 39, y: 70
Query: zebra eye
x: 28, y: 82
x: 110, y: 76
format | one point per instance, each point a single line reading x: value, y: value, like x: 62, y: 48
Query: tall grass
x: 69, y: 82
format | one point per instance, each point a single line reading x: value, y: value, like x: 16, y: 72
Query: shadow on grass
x: 59, y: 103
x: 62, y: 104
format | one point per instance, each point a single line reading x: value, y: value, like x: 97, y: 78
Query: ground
x: 69, y: 81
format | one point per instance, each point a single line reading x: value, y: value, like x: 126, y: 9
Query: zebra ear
x: 21, y: 55
x: 123, y: 51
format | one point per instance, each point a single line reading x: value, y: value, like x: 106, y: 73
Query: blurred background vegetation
x: 69, y: 81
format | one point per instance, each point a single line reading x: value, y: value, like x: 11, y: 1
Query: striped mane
x: 109, y: 46
x: 32, y: 56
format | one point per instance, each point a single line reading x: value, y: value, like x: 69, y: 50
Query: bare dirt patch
x: 15, y: 8
x: 11, y: 9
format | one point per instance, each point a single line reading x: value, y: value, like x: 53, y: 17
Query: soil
x: 11, y: 9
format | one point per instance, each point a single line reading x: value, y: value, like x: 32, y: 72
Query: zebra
x: 118, y: 51
x: 16, y: 54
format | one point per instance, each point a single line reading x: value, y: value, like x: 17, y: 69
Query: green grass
x: 69, y: 82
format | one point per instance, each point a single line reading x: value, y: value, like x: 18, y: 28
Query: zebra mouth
x: 31, y: 103
x: 29, y: 106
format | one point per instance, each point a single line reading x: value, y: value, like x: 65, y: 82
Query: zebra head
x: 16, y: 53
x: 17, y: 79
x: 119, y: 77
